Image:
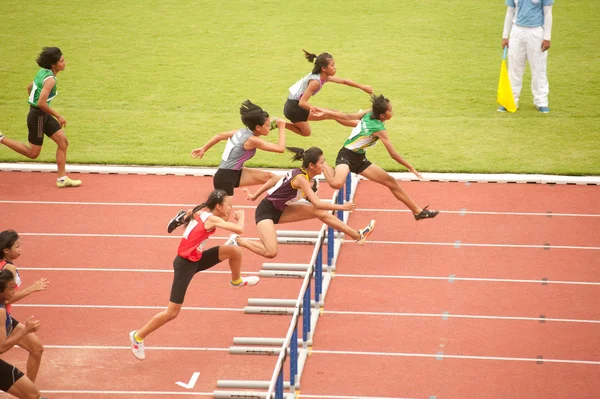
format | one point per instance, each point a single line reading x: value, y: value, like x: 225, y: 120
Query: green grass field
x: 146, y: 82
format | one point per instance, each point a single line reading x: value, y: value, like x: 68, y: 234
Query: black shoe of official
x: 176, y: 221
x: 426, y: 214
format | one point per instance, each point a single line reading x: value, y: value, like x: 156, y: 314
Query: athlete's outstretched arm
x: 257, y: 142
x: 385, y: 139
x: 237, y: 227
x: 314, y: 199
x: 351, y: 83
x: 270, y: 183
x: 199, y: 152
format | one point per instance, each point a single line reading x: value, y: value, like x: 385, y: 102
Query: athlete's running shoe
x: 246, y: 281
x: 137, y: 347
x: 66, y: 182
x: 232, y: 240
x: 426, y: 214
x: 364, y: 233
x: 176, y: 221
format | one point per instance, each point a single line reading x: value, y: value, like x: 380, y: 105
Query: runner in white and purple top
x: 284, y: 192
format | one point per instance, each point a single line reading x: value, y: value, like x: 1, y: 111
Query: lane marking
x: 210, y: 394
x: 460, y: 212
x: 162, y: 348
x: 458, y: 316
x: 338, y: 352
x: 191, y: 383
x: 444, y: 315
x: 451, y: 278
x: 348, y: 241
x: 462, y: 357
x: 303, y: 395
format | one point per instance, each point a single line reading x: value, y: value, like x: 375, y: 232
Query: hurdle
x: 304, y: 310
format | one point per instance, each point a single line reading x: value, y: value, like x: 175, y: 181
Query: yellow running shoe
x: 66, y: 182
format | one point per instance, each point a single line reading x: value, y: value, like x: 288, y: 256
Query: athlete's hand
x: 545, y: 45
x: 317, y: 112
x: 504, y: 43
x: 40, y: 285
x: 348, y: 206
x: 198, y: 153
x: 249, y: 195
x: 280, y: 123
x: 367, y: 89
x: 238, y: 215
x: 62, y: 121
x: 32, y: 325
x: 414, y: 171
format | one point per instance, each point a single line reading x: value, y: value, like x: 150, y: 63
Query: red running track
x: 496, y: 298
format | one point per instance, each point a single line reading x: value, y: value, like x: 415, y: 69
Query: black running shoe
x: 176, y: 221
x: 426, y: 214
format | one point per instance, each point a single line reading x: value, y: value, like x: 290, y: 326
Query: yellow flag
x: 505, y: 95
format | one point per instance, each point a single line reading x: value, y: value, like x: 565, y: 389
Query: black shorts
x: 186, y: 269
x: 357, y: 162
x: 9, y: 374
x: 266, y: 210
x: 15, y: 322
x: 294, y: 112
x: 40, y: 123
x: 227, y: 179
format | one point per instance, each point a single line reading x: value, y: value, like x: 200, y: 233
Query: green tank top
x: 361, y: 137
x: 38, y: 84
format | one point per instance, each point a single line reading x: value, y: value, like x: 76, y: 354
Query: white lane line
x: 328, y: 311
x: 453, y: 244
x: 453, y: 278
x: 143, y: 204
x: 136, y: 307
x: 337, y: 352
x: 352, y: 397
x: 460, y: 316
x: 162, y: 348
x: 342, y: 275
x: 82, y: 392
x: 447, y: 356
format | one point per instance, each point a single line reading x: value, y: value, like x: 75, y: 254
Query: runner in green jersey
x: 368, y: 130
x: 43, y: 120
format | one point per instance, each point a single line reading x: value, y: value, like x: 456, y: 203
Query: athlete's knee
x: 63, y: 143
x: 270, y: 253
x: 37, y: 350
x: 322, y: 215
x: 171, y: 314
x: 33, y: 152
x: 305, y: 131
x: 336, y: 185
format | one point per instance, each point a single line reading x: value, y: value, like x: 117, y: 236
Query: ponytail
x: 321, y: 61
x: 307, y: 157
x: 215, y: 198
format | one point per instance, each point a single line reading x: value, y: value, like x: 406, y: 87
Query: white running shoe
x: 232, y: 240
x: 364, y: 233
x: 246, y: 281
x: 137, y: 347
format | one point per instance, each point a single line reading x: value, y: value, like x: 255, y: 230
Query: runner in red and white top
x: 201, y: 222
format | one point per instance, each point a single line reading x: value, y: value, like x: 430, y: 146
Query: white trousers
x: 525, y: 44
